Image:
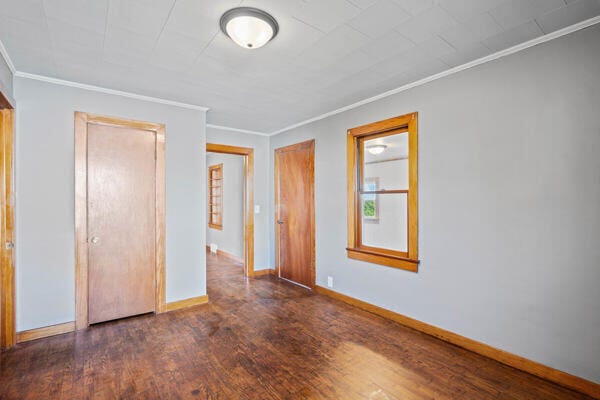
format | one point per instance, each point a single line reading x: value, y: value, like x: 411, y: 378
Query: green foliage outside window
x: 369, y: 208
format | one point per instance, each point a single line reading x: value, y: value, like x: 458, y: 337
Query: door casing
x: 7, y: 226
x: 248, y: 154
x: 82, y: 120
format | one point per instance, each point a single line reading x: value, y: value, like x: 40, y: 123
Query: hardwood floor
x: 259, y: 339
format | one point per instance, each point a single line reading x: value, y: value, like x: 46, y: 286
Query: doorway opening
x: 221, y: 209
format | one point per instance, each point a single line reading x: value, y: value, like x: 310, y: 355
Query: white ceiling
x: 328, y: 54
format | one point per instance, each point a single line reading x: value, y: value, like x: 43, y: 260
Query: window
x: 382, y: 192
x: 215, y: 196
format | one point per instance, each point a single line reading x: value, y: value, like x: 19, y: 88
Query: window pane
x: 385, y: 221
x: 386, y: 159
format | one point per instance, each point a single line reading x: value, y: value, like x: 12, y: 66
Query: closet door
x: 121, y: 221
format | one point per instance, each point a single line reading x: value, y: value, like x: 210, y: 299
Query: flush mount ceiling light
x: 376, y: 148
x: 249, y: 27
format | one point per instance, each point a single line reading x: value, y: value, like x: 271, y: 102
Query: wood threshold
x: 46, y: 331
x: 185, y: 303
x: 521, y: 363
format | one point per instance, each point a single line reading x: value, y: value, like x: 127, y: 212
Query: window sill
x: 407, y: 264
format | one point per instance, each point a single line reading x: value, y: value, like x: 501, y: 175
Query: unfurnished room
x: 300, y: 199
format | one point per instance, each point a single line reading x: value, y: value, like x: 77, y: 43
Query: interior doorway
x: 119, y: 218
x: 216, y: 212
x: 7, y: 224
x: 295, y: 213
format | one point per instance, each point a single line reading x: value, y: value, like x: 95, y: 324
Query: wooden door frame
x: 248, y: 154
x: 7, y: 231
x: 311, y: 145
x: 82, y: 120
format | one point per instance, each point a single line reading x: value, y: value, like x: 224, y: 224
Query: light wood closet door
x: 121, y: 222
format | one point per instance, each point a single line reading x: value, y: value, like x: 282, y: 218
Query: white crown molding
x: 471, y: 64
x: 6, y: 57
x: 99, y: 89
x: 227, y: 128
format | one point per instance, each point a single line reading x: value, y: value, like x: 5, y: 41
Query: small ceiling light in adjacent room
x: 376, y: 148
x: 249, y: 27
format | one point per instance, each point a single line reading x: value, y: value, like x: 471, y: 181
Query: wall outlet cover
x: 330, y: 281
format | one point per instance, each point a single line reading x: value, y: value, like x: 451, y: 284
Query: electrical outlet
x: 330, y: 281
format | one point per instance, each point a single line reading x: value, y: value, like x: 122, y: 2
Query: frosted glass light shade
x: 248, y: 27
x: 249, y: 32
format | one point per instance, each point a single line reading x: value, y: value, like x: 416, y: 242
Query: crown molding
x: 503, y: 53
x: 6, y: 57
x: 227, y: 128
x: 114, y: 92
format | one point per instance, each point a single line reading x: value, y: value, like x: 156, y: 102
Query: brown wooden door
x: 294, y: 198
x: 121, y: 222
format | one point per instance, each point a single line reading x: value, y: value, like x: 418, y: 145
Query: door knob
x: 95, y: 239
x: 280, y: 222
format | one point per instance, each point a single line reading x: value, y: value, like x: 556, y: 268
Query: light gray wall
x: 6, y: 78
x: 262, y: 176
x: 45, y: 196
x: 509, y: 197
x: 231, y: 238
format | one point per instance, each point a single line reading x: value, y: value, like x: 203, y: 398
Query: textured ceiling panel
x: 328, y: 54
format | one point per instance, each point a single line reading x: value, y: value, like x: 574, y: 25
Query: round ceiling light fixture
x: 376, y: 148
x: 249, y: 27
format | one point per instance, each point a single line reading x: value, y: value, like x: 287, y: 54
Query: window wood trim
x: 403, y: 260
x: 218, y: 224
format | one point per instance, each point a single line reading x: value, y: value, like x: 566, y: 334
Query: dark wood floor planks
x: 259, y: 339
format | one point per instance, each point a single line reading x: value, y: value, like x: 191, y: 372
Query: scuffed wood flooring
x: 259, y: 339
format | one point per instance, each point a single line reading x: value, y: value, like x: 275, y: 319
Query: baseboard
x: 46, y: 331
x: 227, y: 255
x: 540, y: 370
x: 263, y: 272
x: 38, y: 333
x: 193, y: 301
